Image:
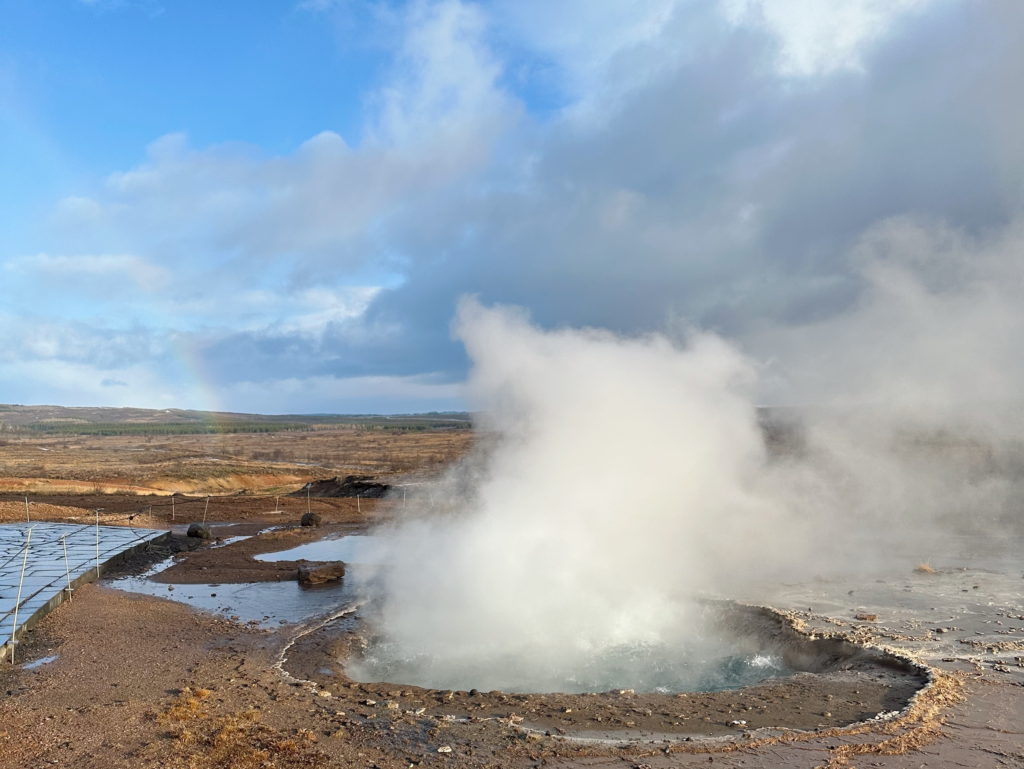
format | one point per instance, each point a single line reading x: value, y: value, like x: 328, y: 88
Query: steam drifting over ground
x: 618, y: 478
x: 616, y: 475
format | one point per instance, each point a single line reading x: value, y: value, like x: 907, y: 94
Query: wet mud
x: 838, y: 682
x: 229, y: 556
x: 158, y: 655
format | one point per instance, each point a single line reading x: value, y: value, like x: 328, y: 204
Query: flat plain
x: 118, y: 678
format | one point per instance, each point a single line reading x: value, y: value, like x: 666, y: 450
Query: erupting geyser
x: 617, y: 479
x: 614, y: 481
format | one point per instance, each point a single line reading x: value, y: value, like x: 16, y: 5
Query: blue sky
x: 275, y: 206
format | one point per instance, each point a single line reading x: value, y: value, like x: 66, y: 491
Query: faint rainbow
x: 198, y: 391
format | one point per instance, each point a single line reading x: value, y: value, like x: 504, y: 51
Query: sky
x: 276, y: 206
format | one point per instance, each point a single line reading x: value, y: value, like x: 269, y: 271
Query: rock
x: 318, y: 573
x: 179, y: 543
x: 311, y: 519
x: 199, y: 530
x: 365, y: 486
x: 866, y: 617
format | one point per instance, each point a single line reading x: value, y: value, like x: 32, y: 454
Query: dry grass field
x: 275, y: 462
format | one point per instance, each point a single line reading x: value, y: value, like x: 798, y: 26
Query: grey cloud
x: 697, y: 185
x: 725, y: 195
x: 93, y: 344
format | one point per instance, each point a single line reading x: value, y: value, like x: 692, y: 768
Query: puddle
x: 40, y: 662
x: 354, y: 548
x: 230, y: 541
x: 217, y: 529
x: 267, y: 604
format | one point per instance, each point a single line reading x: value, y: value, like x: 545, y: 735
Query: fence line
x: 21, y: 582
x: 67, y: 567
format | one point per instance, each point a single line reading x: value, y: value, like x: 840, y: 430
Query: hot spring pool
x: 715, y: 666
x: 712, y: 664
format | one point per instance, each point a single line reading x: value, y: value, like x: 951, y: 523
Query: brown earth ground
x: 142, y: 681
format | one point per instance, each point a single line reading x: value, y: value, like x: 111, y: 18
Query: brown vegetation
x: 216, y: 464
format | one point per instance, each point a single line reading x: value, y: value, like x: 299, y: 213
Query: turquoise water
x: 642, y: 667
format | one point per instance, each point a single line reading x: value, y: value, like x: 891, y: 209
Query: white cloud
x: 597, y: 45
x: 819, y: 38
x: 319, y: 308
x: 306, y: 312
x: 583, y: 36
x: 701, y: 184
x: 444, y: 86
x: 438, y: 118
x: 78, y: 383
x: 351, y: 394
x: 107, y: 267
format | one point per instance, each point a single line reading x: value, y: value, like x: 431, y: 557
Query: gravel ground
x: 136, y: 681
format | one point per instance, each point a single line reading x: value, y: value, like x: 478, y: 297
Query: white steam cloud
x: 618, y: 478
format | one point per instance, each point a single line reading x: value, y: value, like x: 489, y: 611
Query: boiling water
x: 641, y: 667
x: 711, y: 664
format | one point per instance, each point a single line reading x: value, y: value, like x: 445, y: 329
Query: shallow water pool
x: 354, y: 548
x: 268, y: 604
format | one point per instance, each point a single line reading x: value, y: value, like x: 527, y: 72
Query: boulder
x: 319, y: 573
x: 311, y: 519
x: 200, y: 530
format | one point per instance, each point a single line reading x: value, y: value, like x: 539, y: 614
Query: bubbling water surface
x: 710, y: 666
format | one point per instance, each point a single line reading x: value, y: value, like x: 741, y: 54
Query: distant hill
x: 88, y: 420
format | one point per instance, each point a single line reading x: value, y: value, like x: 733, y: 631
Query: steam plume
x: 617, y: 478
x: 616, y: 473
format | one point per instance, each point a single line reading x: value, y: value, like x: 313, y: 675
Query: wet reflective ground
x: 968, y: 613
x: 266, y: 604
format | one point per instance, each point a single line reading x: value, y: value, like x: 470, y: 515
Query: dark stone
x: 178, y: 543
x: 311, y: 519
x: 351, y: 486
x: 200, y: 530
x: 318, y: 573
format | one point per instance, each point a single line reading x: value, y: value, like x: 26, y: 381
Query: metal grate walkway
x: 47, y: 573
